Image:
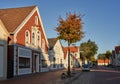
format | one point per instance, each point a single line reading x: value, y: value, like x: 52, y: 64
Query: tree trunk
x: 69, y: 72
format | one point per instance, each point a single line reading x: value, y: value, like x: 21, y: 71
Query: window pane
x: 24, y: 62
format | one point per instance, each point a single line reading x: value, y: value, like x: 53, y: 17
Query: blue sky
x: 101, y: 20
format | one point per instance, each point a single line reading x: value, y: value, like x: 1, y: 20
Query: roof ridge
x: 18, y: 7
x: 12, y: 17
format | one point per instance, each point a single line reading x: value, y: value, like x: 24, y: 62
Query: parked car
x: 85, y: 67
x: 90, y: 65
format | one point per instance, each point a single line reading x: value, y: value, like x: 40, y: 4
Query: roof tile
x: 12, y: 17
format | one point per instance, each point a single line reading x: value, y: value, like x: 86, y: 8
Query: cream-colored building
x: 3, y: 51
x: 74, y: 57
x: 56, y: 54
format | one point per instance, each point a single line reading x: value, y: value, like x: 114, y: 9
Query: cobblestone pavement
x: 53, y: 77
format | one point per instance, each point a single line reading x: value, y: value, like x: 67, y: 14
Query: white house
x: 56, y: 54
x: 112, y: 58
x: 74, y: 57
x: 3, y: 51
x: 115, y: 59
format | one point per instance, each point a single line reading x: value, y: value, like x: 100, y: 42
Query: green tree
x: 93, y: 60
x: 85, y: 50
x: 102, y: 56
x: 89, y: 49
x: 70, y: 30
x: 108, y: 54
x: 93, y: 47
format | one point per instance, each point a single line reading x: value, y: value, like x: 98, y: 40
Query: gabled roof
x: 12, y: 17
x: 52, y: 42
x: 72, y: 49
x: 3, y: 28
x: 117, y: 49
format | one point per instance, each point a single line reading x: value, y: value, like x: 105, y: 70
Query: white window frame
x: 38, y: 38
x: 27, y: 38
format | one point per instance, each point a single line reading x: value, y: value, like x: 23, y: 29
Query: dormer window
x: 36, y: 20
x: 27, y: 37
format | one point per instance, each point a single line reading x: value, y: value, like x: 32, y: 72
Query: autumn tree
x: 70, y: 30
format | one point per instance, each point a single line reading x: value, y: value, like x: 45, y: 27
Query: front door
x: 36, y: 63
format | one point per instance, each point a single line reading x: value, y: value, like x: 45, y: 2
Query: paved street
x: 99, y: 75
x: 42, y: 78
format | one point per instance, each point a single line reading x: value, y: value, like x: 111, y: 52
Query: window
x: 33, y: 38
x: 54, y: 59
x: 36, y: 20
x: 24, y: 62
x: 27, y: 37
x: 44, y: 64
x: 38, y: 39
x: 61, y: 63
x: 54, y: 65
x: 43, y: 45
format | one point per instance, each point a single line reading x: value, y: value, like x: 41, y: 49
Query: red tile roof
x: 72, y: 49
x: 12, y: 17
x: 65, y: 51
x: 102, y: 61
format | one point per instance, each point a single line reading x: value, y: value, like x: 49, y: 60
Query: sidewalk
x: 53, y: 77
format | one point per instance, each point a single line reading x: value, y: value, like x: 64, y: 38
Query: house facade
x: 112, y: 58
x: 3, y: 51
x: 56, y: 54
x: 28, y: 45
x: 102, y: 62
x: 74, y: 57
x: 115, y: 59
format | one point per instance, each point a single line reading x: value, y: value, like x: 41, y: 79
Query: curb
x: 70, y: 80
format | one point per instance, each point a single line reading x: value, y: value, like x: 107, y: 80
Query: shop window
x: 24, y: 62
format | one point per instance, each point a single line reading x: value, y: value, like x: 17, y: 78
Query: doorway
x: 36, y: 62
